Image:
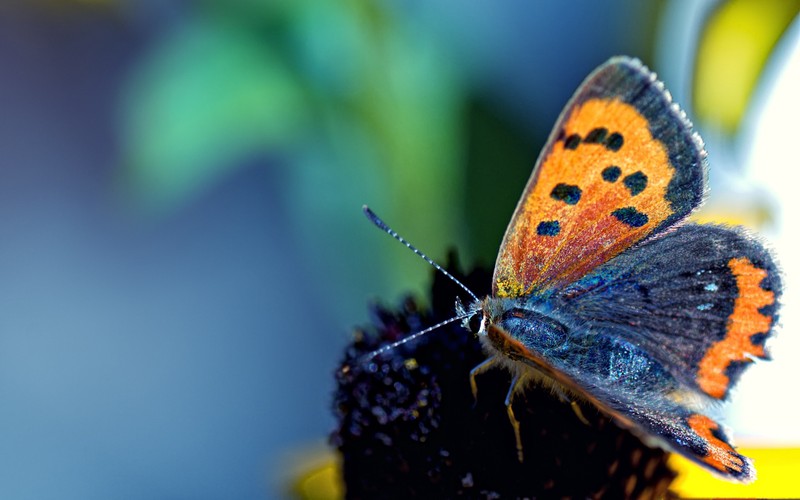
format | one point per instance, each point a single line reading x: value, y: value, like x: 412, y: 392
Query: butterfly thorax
x: 519, y: 327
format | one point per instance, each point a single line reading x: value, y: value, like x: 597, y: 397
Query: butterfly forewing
x: 622, y: 164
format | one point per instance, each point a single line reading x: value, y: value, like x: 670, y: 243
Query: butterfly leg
x: 574, y: 404
x: 485, y: 365
x: 516, y: 382
x: 577, y: 410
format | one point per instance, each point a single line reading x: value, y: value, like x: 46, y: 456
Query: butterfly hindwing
x: 701, y: 300
x: 621, y: 164
x: 683, y: 430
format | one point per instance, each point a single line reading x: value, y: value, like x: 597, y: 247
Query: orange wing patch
x: 744, y: 322
x: 600, y: 189
x: 721, y: 455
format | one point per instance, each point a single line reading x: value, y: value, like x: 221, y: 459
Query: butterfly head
x: 474, y: 317
x: 515, y: 326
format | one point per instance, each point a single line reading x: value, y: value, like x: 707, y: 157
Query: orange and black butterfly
x: 601, y: 289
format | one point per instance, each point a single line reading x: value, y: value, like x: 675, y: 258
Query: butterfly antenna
x: 391, y: 232
x: 389, y: 347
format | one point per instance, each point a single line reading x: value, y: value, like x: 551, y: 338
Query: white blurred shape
x: 767, y: 408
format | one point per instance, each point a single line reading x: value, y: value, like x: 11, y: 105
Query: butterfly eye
x: 475, y: 323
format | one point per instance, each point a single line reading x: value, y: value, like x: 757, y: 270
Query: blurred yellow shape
x: 749, y: 213
x: 311, y: 473
x: 321, y: 483
x: 732, y: 52
x: 776, y: 469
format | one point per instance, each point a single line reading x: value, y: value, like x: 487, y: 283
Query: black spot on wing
x: 567, y: 193
x: 614, y: 142
x: 548, y: 228
x: 635, y: 182
x: 630, y: 216
x: 572, y: 142
x: 611, y: 173
x: 596, y: 136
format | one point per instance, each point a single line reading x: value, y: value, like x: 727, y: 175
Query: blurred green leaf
x: 360, y: 103
x: 206, y: 97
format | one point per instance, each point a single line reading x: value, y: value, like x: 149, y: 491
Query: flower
x: 408, y: 424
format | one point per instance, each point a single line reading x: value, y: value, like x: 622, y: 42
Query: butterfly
x: 601, y: 289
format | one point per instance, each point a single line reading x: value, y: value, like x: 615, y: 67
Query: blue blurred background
x: 182, y: 252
